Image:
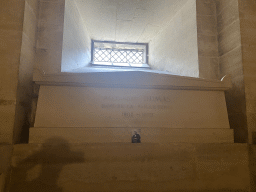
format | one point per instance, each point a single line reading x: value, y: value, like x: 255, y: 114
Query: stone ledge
x: 123, y: 135
x: 132, y: 79
x: 121, y: 166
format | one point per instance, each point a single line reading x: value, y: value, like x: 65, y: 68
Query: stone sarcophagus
x: 108, y: 107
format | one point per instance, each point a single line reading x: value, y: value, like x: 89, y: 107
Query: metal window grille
x: 118, y: 56
x: 109, y: 53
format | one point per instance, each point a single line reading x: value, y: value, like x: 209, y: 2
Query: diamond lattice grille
x: 118, y: 55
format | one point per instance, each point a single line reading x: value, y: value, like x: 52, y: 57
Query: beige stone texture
x: 25, y: 72
x: 46, y: 61
x: 6, y: 153
x: 231, y: 62
x: 206, y: 7
x: 226, y: 18
x: 51, y: 13
x: 130, y: 78
x: 206, y: 24
x: 76, y: 49
x: 229, y: 38
x: 140, y: 99
x: 209, y: 67
x: 11, y: 22
x: 130, y: 21
x: 63, y: 106
x: 9, y: 75
x: 207, y: 46
x: 2, y: 182
x: 174, y: 49
x: 125, y: 166
x: 27, y: 60
x: 250, y: 96
x: 34, y: 6
x: 7, y: 121
x: 207, y: 39
x: 237, y: 103
x: 192, y: 115
x: 10, y: 54
x: 30, y: 22
x: 18, y: 37
x: 222, y: 5
x: 148, y: 135
x: 247, y: 16
x: 252, y: 159
x: 11, y: 15
x: 50, y: 36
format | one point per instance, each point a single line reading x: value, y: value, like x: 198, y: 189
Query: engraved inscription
x: 132, y: 107
x: 133, y: 115
x: 116, y: 106
x: 120, y: 98
x: 157, y: 98
x: 145, y: 106
x: 128, y: 114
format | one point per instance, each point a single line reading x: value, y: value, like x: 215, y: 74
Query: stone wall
x: 25, y: 73
x: 5, y: 162
x: 247, y: 16
x: 230, y: 60
x: 50, y: 36
x: 208, y: 56
x: 124, y: 167
x: 76, y: 50
x: 18, y: 23
x: 11, y: 22
x: 174, y: 49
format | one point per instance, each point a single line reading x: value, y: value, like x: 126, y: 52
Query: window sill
x: 119, y: 65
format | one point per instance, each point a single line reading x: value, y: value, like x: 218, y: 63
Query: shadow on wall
x: 40, y: 171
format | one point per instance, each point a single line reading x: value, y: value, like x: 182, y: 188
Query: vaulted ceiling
x: 127, y: 20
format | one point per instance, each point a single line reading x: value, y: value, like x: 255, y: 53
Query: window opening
x: 119, y: 54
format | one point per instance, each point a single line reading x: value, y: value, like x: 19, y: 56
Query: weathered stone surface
x: 63, y: 106
x: 251, y: 118
x: 132, y: 78
x: 229, y: 38
x: 5, y: 153
x: 207, y: 40
x: 207, y: 24
x: 247, y: 16
x: 11, y: 15
x: 51, y: 14
x: 231, y: 62
x: 207, y: 45
x: 46, y: 60
x: 140, y: 167
x: 7, y: 116
x: 252, y: 166
x: 174, y: 49
x: 76, y: 48
x: 224, y: 5
x: 30, y: 22
x: 50, y: 36
x: 209, y: 68
x: 206, y: 7
x: 228, y: 15
x: 9, y: 63
x: 148, y: 135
